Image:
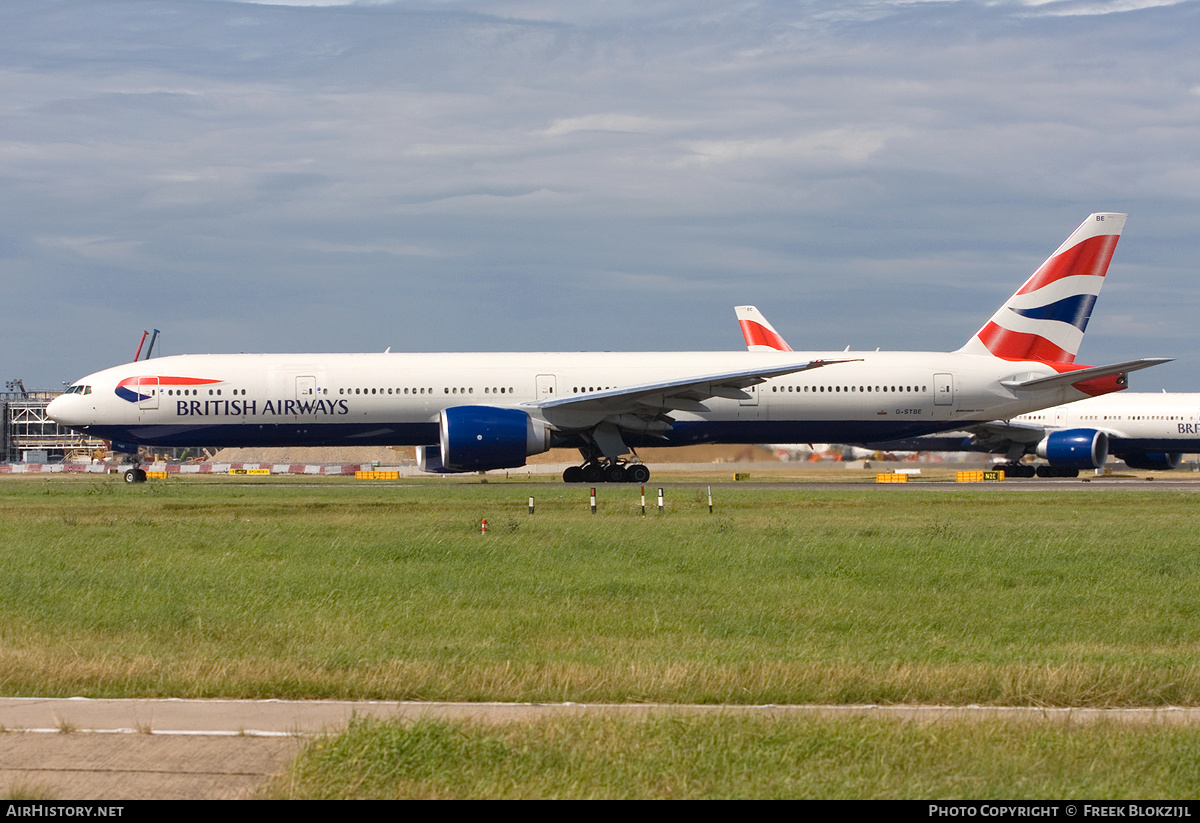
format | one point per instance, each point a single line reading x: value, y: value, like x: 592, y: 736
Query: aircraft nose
x: 54, y: 409
x: 60, y: 410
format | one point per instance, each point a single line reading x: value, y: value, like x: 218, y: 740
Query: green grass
x: 746, y: 757
x: 228, y: 588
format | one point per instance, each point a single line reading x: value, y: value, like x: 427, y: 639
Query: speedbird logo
x: 131, y: 388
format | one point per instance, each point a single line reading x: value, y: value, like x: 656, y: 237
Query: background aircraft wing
x: 997, y: 433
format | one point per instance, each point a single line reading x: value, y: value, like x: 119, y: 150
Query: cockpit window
x: 79, y: 390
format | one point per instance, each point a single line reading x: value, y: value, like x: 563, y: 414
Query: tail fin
x: 1046, y: 318
x: 760, y: 335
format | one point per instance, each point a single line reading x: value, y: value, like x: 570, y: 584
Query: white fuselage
x: 1133, y: 423
x: 1132, y: 420
x: 396, y: 398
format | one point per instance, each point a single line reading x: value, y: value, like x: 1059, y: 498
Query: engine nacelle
x: 429, y: 459
x: 1162, y: 461
x: 478, y: 438
x: 1075, y: 448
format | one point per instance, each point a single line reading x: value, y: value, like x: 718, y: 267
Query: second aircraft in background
x: 1145, y: 430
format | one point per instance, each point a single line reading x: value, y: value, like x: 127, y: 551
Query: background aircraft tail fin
x: 760, y: 335
x: 1046, y: 318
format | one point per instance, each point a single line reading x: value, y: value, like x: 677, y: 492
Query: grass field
x: 295, y: 589
x: 747, y: 757
x: 229, y: 588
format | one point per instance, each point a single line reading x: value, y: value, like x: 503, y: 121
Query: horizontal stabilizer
x: 1070, y: 378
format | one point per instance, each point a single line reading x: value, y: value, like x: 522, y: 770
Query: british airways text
x: 248, y: 408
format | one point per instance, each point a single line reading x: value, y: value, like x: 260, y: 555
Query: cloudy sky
x: 352, y: 176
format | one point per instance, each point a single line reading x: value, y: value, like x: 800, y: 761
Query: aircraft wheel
x: 135, y: 476
x: 593, y: 473
x: 614, y: 473
x: 637, y: 473
x: 573, y: 474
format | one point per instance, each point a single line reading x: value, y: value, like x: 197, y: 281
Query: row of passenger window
x: 864, y: 389
x: 1122, y: 417
x: 360, y: 391
x: 510, y: 390
x: 424, y: 390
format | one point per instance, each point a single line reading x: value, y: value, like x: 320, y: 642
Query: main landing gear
x: 1056, y: 471
x: 1026, y: 470
x: 607, y: 472
x: 602, y: 462
x: 1016, y: 469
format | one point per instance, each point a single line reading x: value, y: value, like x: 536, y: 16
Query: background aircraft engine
x: 477, y: 438
x: 1075, y: 449
x: 1153, y: 460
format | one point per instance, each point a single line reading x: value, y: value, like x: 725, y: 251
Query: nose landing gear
x: 136, y: 474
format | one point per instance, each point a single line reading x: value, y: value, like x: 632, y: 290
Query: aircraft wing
x: 682, y: 394
x: 994, y: 435
x: 1000, y: 432
x: 1070, y: 378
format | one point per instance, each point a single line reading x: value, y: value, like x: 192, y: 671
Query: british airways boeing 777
x: 474, y: 412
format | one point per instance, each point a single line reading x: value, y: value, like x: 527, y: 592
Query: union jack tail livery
x: 1046, y: 318
x: 759, y: 333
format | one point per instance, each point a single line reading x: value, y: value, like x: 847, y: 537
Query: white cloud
x: 391, y: 249
x: 312, y: 3
x: 607, y: 122
x: 1090, y: 8
x: 845, y: 145
x: 105, y: 249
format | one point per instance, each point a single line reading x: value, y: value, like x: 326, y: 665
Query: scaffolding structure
x: 25, y: 428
